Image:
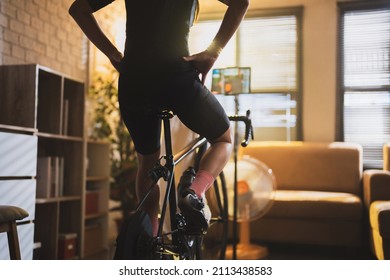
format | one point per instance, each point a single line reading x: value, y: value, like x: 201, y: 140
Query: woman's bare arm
x: 82, y: 13
x: 233, y: 17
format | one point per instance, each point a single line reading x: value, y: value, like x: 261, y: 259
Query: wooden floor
x: 305, y: 252
x: 278, y: 251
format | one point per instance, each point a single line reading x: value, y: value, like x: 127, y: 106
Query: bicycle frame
x: 171, y: 162
x: 167, y: 172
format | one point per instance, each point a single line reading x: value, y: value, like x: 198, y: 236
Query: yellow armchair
x: 377, y: 200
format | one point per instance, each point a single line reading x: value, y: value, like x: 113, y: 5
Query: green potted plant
x: 106, y: 124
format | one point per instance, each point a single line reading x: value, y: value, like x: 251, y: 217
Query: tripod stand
x: 248, y: 132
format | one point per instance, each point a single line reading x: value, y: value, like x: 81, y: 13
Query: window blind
x: 366, y: 81
x: 270, y: 46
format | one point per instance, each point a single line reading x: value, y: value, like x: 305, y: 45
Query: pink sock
x: 202, y: 182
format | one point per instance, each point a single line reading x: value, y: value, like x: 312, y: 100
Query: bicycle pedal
x: 187, y: 228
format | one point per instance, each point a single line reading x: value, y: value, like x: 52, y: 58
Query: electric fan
x: 256, y: 187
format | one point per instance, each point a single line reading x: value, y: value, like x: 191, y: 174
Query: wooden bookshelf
x: 51, y: 106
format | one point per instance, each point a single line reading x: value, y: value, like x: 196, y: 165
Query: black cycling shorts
x: 144, y: 91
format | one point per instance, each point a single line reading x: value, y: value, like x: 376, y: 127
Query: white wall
x: 320, y: 19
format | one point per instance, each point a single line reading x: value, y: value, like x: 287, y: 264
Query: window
x: 365, y: 79
x: 268, y: 42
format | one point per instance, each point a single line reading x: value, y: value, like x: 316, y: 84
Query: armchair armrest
x: 380, y: 217
x: 386, y: 156
x: 380, y: 226
x: 376, y: 184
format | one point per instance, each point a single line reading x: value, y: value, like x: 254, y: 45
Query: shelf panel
x: 57, y: 199
x: 60, y: 137
x: 69, y: 198
x: 46, y: 200
x: 19, y: 129
x: 96, y: 215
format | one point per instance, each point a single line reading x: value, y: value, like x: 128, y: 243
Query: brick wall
x: 112, y: 20
x: 42, y: 32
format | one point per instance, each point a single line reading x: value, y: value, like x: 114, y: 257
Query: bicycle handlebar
x: 248, y: 127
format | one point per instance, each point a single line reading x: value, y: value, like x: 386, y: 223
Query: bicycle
x: 180, y: 242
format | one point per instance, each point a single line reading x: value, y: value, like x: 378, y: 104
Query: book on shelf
x: 50, y: 177
x: 61, y: 161
x: 54, y: 177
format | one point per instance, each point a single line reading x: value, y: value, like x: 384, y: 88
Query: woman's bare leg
x: 217, y: 155
x: 191, y: 195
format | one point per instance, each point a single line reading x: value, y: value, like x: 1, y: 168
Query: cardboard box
x: 91, y: 203
x: 67, y: 244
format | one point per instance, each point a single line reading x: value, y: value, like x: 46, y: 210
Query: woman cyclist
x: 157, y: 72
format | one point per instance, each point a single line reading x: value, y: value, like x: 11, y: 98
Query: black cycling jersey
x: 156, y: 30
x: 153, y: 75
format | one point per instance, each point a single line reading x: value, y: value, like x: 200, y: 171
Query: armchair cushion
x: 376, y: 186
x: 329, y: 167
x: 316, y: 205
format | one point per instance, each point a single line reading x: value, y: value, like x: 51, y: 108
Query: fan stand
x: 235, y: 199
x: 245, y: 250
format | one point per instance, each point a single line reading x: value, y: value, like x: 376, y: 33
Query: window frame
x: 344, y: 8
x: 296, y: 11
